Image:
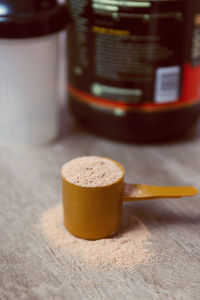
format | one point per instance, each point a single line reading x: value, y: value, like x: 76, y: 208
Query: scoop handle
x: 138, y: 192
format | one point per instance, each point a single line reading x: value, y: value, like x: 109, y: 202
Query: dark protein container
x: 134, y: 66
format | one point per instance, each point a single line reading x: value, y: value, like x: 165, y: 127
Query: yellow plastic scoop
x: 96, y: 212
x: 138, y: 192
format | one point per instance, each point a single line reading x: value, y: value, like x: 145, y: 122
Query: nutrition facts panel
x: 121, y: 46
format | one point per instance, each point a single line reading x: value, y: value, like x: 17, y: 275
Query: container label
x: 134, y: 54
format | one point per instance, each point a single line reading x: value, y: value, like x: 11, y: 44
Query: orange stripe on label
x: 113, y: 104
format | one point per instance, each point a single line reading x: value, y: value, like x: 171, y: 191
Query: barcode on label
x: 167, y: 84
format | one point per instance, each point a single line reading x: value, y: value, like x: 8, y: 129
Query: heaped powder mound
x: 91, y: 171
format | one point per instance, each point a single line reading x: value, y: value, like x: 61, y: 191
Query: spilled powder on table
x: 129, y: 247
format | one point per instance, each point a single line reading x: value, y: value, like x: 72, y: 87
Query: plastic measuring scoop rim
x: 103, y: 186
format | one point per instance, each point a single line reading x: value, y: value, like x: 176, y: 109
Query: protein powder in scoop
x: 93, y: 193
x: 91, y: 171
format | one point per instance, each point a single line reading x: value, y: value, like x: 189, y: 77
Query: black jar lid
x: 31, y: 18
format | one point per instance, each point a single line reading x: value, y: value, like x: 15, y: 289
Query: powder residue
x: 130, y: 190
x: 129, y: 247
x: 91, y: 171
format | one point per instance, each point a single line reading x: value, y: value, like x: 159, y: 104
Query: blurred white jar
x: 29, y: 79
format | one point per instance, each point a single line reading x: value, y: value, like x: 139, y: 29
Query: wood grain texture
x: 30, y: 184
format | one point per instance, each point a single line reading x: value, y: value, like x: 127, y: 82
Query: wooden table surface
x: 32, y: 267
